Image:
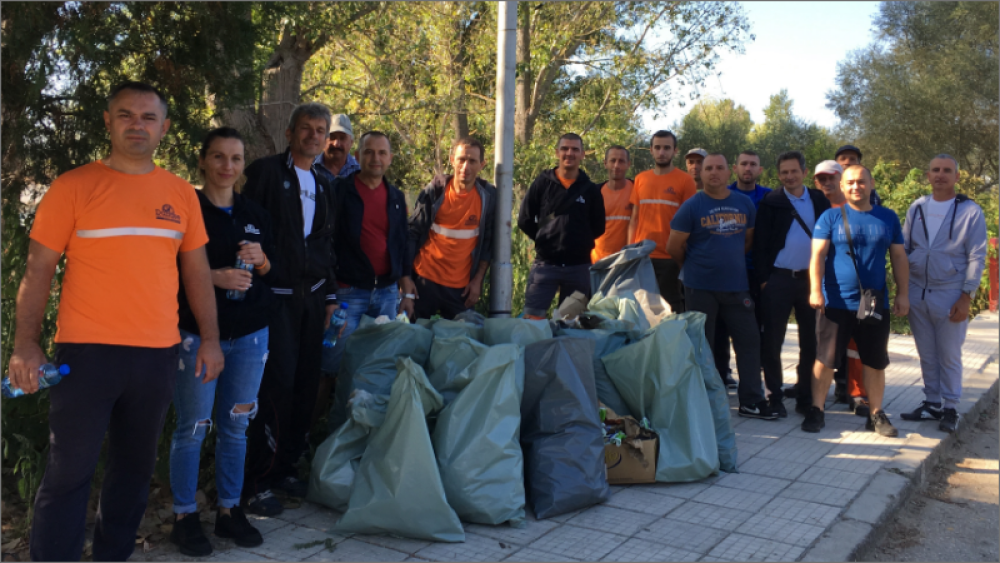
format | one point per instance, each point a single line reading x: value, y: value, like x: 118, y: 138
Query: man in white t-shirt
x: 945, y: 241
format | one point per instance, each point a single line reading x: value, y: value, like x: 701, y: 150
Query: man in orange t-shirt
x: 125, y: 225
x: 656, y: 197
x: 617, y: 192
x: 451, y: 236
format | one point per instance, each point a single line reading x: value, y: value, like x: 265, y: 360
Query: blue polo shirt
x: 798, y: 243
x: 755, y: 196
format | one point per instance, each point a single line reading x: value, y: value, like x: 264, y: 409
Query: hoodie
x: 563, y: 222
x: 955, y: 259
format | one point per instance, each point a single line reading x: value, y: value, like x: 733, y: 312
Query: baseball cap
x: 846, y: 148
x: 828, y: 167
x: 697, y: 152
x: 341, y: 123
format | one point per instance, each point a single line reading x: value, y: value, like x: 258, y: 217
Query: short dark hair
x: 373, y: 133
x: 138, y: 87
x: 570, y: 137
x: 661, y: 134
x: 717, y: 154
x: 469, y: 141
x: 749, y: 152
x: 617, y: 147
x: 792, y: 155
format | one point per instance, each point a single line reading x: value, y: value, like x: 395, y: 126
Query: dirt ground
x: 956, y: 517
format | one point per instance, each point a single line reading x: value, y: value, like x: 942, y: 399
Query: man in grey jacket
x: 945, y: 241
x: 451, y: 235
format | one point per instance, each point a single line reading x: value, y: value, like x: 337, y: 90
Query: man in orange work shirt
x: 125, y: 226
x: 617, y: 192
x: 656, y: 197
x: 451, y: 236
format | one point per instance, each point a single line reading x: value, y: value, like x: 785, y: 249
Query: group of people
x: 217, y: 299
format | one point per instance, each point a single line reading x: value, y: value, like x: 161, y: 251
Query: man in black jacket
x: 563, y: 212
x: 451, y: 235
x: 372, y: 249
x: 781, y: 252
x: 299, y: 200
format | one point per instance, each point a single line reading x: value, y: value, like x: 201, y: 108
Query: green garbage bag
x: 477, y: 441
x: 337, y: 458
x: 444, y: 327
x: 659, y: 379
x: 605, y: 342
x: 622, y: 306
x: 449, y: 358
x: 718, y: 398
x: 515, y: 331
x: 397, y: 487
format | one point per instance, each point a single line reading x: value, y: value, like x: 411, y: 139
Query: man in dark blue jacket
x: 563, y: 212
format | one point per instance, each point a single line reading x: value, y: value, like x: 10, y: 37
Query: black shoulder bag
x: 871, y: 306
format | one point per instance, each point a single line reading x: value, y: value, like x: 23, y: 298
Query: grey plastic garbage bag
x: 397, y: 488
x: 718, y: 398
x: 449, y: 358
x: 515, y: 331
x: 476, y: 441
x: 337, y: 458
x: 658, y: 377
x: 561, y: 433
x: 605, y: 342
x: 444, y: 327
x: 628, y: 269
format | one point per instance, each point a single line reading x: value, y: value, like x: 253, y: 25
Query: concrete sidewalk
x: 798, y: 496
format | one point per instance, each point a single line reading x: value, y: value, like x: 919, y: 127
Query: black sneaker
x: 815, y: 420
x: 189, y: 537
x: 778, y: 408
x: 291, y: 487
x: 926, y: 411
x: 759, y: 410
x: 879, y: 423
x: 236, y: 526
x: 802, y: 408
x: 949, y: 420
x: 860, y: 406
x: 840, y: 393
x: 264, y: 504
x: 730, y: 382
x: 791, y: 392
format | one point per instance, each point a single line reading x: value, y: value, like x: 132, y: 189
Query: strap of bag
x: 798, y: 218
x: 850, y: 245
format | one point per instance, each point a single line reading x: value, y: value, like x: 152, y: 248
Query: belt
x: 794, y: 274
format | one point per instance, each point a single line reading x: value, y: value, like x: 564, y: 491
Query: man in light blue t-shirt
x: 709, y: 237
x: 836, y: 287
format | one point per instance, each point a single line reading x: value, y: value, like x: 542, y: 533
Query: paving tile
x: 740, y: 547
x: 780, y: 529
x: 750, y: 446
x: 690, y: 537
x: 579, y: 543
x: 770, y: 468
x: 679, y: 490
x: 754, y: 483
x: 475, y: 548
x: 756, y: 428
x: 823, y: 494
x: 323, y: 520
x: 613, y: 520
x: 232, y: 555
x: 531, y: 554
x: 562, y: 518
x: 719, y: 517
x: 355, y: 550
x: 304, y: 509
x: 641, y: 500
x: 801, y: 511
x: 405, y: 545
x: 264, y: 524
x: 641, y: 550
x: 801, y: 450
x: 412, y: 558
x: 835, y: 478
x: 866, y: 466
x: 294, y: 542
x: 516, y: 536
x: 724, y: 496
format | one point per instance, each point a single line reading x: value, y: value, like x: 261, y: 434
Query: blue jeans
x: 193, y: 400
x: 371, y: 302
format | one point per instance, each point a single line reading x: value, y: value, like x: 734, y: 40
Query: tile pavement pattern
x: 798, y: 496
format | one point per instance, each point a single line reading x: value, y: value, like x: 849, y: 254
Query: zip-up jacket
x: 425, y: 210
x: 774, y: 218
x: 563, y: 222
x: 955, y: 259
x: 307, y: 263
x: 353, y: 266
x: 249, y: 222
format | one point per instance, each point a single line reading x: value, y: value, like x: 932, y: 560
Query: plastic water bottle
x: 338, y: 320
x: 236, y: 294
x: 48, y: 375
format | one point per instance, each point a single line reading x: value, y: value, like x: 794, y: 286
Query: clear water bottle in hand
x: 337, y: 321
x: 48, y: 375
x: 237, y: 294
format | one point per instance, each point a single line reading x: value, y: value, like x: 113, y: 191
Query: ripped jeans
x: 193, y: 400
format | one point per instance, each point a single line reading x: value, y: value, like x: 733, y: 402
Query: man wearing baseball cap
x: 850, y: 155
x: 337, y: 160
x: 692, y: 163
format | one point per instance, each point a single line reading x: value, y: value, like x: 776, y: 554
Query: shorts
x: 836, y: 327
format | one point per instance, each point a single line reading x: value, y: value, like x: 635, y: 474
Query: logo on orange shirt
x: 670, y: 191
x: 166, y: 213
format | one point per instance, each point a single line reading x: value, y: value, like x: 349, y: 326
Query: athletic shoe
x: 730, y: 382
x: 815, y: 420
x: 264, y: 504
x: 236, y: 526
x: 879, y: 423
x: 291, y: 487
x: 840, y: 393
x: 189, y: 538
x: 926, y: 411
x: 791, y: 392
x: 777, y: 407
x: 949, y: 420
x: 760, y: 410
x: 860, y: 406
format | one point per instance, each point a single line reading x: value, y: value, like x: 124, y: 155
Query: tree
x: 716, y: 126
x: 927, y: 85
x: 783, y: 131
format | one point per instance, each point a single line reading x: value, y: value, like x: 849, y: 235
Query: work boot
x: 879, y: 423
x: 815, y: 420
x: 189, y: 538
x: 949, y: 421
x: 860, y: 406
x: 236, y: 526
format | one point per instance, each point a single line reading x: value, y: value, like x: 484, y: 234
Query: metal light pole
x: 501, y: 271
